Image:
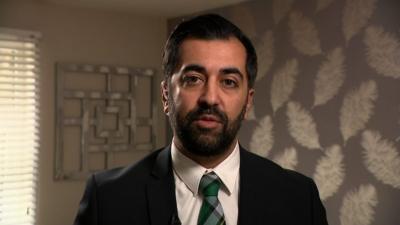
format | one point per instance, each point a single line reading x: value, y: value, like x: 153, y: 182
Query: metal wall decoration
x: 100, y: 115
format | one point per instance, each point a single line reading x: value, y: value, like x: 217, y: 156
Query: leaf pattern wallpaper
x: 329, y: 172
x: 301, y: 126
x: 327, y: 100
x: 265, y: 52
x: 383, y: 51
x: 287, y: 158
x: 304, y: 35
x: 283, y: 83
x: 330, y: 77
x: 357, y: 109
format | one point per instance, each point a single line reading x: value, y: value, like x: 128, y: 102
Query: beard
x: 205, y: 141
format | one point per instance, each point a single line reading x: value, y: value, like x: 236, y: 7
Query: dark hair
x: 207, y: 27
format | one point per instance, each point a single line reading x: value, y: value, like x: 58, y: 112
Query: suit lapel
x: 161, y: 190
x: 247, y: 191
x: 257, y: 198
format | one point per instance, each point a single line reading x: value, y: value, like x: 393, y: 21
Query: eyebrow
x: 232, y: 70
x: 202, y: 69
x: 194, y: 67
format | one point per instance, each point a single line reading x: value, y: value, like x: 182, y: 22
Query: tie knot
x: 210, y: 184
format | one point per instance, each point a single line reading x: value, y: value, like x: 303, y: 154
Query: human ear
x: 164, y: 96
x: 249, y: 104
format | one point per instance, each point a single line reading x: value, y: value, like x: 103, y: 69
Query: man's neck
x: 206, y: 161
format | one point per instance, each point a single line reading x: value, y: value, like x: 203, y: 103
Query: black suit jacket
x: 144, y: 194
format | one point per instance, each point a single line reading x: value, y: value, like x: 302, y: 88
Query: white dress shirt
x: 188, y: 173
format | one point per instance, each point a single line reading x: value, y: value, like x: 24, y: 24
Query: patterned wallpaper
x: 328, y: 99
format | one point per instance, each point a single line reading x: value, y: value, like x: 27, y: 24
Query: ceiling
x: 163, y: 8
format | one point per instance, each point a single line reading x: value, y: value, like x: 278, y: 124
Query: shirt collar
x: 191, y: 172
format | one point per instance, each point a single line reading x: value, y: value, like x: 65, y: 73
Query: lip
x: 208, y: 121
x: 210, y: 118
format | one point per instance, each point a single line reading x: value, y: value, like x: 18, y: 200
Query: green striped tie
x: 211, y: 212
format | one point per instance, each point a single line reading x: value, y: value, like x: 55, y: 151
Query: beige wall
x: 79, y: 35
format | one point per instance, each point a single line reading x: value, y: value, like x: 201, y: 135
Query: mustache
x: 206, y: 110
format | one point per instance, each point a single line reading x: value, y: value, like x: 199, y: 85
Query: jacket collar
x: 160, y: 191
x: 259, y: 187
x: 247, y: 195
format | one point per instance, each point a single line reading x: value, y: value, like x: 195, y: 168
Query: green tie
x: 211, y: 212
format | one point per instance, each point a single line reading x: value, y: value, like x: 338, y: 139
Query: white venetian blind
x: 19, y: 126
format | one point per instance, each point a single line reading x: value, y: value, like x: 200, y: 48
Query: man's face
x: 208, y: 96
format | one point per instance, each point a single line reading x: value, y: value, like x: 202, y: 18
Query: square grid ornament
x: 105, y: 117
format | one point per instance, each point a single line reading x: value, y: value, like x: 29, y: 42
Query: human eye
x: 191, y: 80
x: 229, y: 83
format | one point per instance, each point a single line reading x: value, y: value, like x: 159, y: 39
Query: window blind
x: 19, y: 126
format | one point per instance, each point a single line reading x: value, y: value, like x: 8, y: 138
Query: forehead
x: 229, y: 50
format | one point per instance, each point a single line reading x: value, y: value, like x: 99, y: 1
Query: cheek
x: 235, y: 107
x: 183, y: 102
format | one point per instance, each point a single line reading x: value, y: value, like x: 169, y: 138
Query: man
x: 204, y: 176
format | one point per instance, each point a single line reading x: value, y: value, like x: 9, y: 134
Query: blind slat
x: 17, y: 171
x: 18, y: 69
x: 19, y: 121
x: 10, y: 41
x: 17, y: 74
x: 17, y: 94
x: 17, y: 45
x: 20, y: 191
x: 16, y: 178
x: 19, y: 53
x: 17, y: 219
x: 17, y: 80
x: 5, y: 200
x: 12, y: 58
x: 13, y: 156
x: 15, y: 62
x: 18, y: 216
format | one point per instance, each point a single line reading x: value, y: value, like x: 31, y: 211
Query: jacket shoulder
x: 140, y: 170
x: 287, y: 192
x: 272, y: 171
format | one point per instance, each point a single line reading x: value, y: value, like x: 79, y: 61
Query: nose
x: 210, y: 94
